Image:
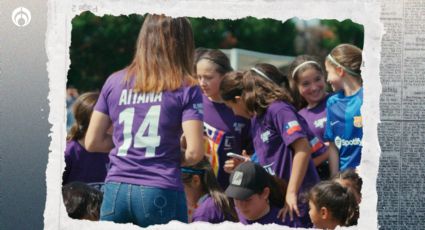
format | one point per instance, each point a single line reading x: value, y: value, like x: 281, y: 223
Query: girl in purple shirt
x: 150, y: 104
x: 282, y: 139
x: 81, y: 165
x: 307, y: 83
x: 224, y: 131
x: 206, y: 200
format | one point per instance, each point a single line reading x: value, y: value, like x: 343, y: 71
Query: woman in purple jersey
x: 80, y: 165
x: 205, y: 196
x: 282, y: 139
x: 308, y: 88
x: 150, y: 104
x: 225, y: 131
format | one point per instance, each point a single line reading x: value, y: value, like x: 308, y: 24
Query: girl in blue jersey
x: 150, y: 103
x: 344, y: 121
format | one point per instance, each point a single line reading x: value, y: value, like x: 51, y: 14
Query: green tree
x: 102, y: 45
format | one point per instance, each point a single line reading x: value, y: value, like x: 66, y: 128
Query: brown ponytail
x: 82, y: 109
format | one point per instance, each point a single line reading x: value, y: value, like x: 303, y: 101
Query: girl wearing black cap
x: 258, y: 196
x: 281, y: 137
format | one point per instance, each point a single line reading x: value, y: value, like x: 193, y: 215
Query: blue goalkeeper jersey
x: 344, y: 127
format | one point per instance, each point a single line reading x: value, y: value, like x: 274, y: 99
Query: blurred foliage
x: 344, y: 32
x: 103, y: 45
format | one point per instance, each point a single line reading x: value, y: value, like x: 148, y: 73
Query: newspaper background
x: 401, y: 177
x: 400, y: 203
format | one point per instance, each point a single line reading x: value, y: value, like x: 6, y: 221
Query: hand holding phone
x: 237, y: 156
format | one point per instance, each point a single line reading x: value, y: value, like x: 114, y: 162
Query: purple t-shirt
x: 226, y: 132
x: 270, y: 218
x: 147, y: 131
x: 83, y: 166
x: 208, y: 211
x: 274, y: 132
x: 316, y: 118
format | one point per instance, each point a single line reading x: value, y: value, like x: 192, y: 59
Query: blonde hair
x: 347, y: 56
x: 164, y: 55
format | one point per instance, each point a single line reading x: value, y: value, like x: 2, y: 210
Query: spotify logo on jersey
x: 21, y: 16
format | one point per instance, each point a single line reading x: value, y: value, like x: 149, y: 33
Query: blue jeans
x: 142, y: 205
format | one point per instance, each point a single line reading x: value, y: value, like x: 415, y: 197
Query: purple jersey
x: 208, y: 211
x: 84, y: 166
x: 274, y: 132
x: 316, y: 118
x: 147, y: 131
x: 225, y: 132
x: 270, y: 218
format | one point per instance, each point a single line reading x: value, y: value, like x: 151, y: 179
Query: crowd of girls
x: 160, y: 136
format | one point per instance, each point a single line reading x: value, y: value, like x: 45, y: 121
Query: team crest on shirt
x: 320, y: 123
x: 199, y: 107
x: 292, y: 127
x: 357, y: 121
x: 265, y: 136
x: 238, y: 126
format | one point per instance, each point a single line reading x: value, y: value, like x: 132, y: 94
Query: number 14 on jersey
x: 151, y: 121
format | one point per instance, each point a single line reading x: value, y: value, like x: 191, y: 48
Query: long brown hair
x: 278, y: 188
x: 211, y: 186
x: 164, y: 55
x: 293, y: 77
x: 256, y: 91
x: 82, y: 109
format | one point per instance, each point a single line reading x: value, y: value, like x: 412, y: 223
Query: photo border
x: 60, y: 14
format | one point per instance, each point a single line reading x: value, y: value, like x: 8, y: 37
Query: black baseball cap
x: 246, y: 180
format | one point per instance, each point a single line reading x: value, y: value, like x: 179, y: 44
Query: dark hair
x: 349, y: 57
x: 293, y: 78
x: 274, y: 74
x: 211, y: 186
x: 82, y: 109
x: 351, y: 175
x: 277, y: 188
x: 164, y: 55
x: 215, y: 56
x: 82, y: 201
x: 198, y: 53
x: 256, y: 91
x: 339, y: 201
